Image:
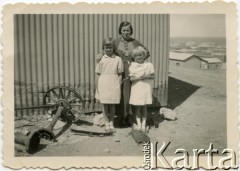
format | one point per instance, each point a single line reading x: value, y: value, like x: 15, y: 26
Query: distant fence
x: 60, y: 49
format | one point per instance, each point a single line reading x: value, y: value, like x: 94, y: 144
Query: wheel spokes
x: 68, y: 94
x: 72, y: 100
x: 53, y: 99
x: 61, y: 94
x: 56, y: 95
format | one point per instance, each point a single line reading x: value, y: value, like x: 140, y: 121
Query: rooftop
x: 185, y: 56
x: 179, y: 56
x: 211, y: 60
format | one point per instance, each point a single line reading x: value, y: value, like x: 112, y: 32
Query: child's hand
x: 130, y: 75
x: 151, y: 76
x: 132, y: 78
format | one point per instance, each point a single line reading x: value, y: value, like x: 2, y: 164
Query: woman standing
x: 124, y: 45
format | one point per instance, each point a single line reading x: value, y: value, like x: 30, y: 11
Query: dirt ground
x: 198, y: 97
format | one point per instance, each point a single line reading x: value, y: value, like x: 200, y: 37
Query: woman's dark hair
x: 108, y: 41
x: 123, y: 24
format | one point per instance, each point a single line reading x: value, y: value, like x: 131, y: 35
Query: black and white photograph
x: 106, y: 74
x: 108, y: 84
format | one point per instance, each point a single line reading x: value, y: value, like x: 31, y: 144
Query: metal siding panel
x: 137, y: 27
x: 91, y: 56
x: 124, y: 17
x: 101, y: 31
x: 86, y: 62
x: 96, y: 37
x: 81, y: 64
x: 97, y: 50
x: 22, y: 62
x: 86, y: 56
x: 39, y: 59
x: 158, y: 55
x: 110, y: 25
x: 91, y: 60
x: 115, y: 26
x: 164, y: 51
x: 56, y: 60
x: 149, y: 44
x: 33, y: 57
x: 61, y: 49
x: 76, y: 51
x: 167, y: 28
x: 166, y: 57
x: 66, y: 49
x: 50, y: 65
x: 17, y: 76
x: 71, y: 51
x: 141, y: 28
x: 153, y: 41
x: 44, y: 52
x: 145, y: 34
x: 119, y: 20
x: 133, y: 21
x: 161, y: 50
x: 128, y: 17
x: 163, y: 75
x: 104, y: 26
x: 27, y: 62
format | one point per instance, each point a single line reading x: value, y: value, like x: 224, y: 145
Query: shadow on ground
x: 179, y: 91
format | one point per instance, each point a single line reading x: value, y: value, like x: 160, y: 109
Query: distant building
x: 219, y: 55
x: 187, y: 60
x: 211, y: 63
x: 184, y: 60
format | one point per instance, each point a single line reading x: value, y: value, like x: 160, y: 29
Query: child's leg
x: 144, y: 117
x: 111, y: 116
x: 138, y: 114
x: 106, y: 115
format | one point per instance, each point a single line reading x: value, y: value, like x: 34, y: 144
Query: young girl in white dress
x: 141, y: 75
x: 109, y: 69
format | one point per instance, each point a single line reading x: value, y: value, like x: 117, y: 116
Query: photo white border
x: 232, y: 75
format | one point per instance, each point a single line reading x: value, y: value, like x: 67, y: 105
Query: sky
x: 197, y: 25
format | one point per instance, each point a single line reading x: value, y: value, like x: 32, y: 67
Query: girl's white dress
x: 141, y: 90
x: 109, y: 85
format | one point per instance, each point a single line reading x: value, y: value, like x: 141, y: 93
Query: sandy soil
x: 198, y: 97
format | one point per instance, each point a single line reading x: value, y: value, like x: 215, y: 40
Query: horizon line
x: 195, y: 37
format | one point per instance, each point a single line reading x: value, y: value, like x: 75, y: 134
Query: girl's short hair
x: 108, y: 41
x: 123, y: 24
x: 138, y: 50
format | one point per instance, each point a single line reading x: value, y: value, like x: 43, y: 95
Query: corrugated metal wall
x: 60, y: 49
